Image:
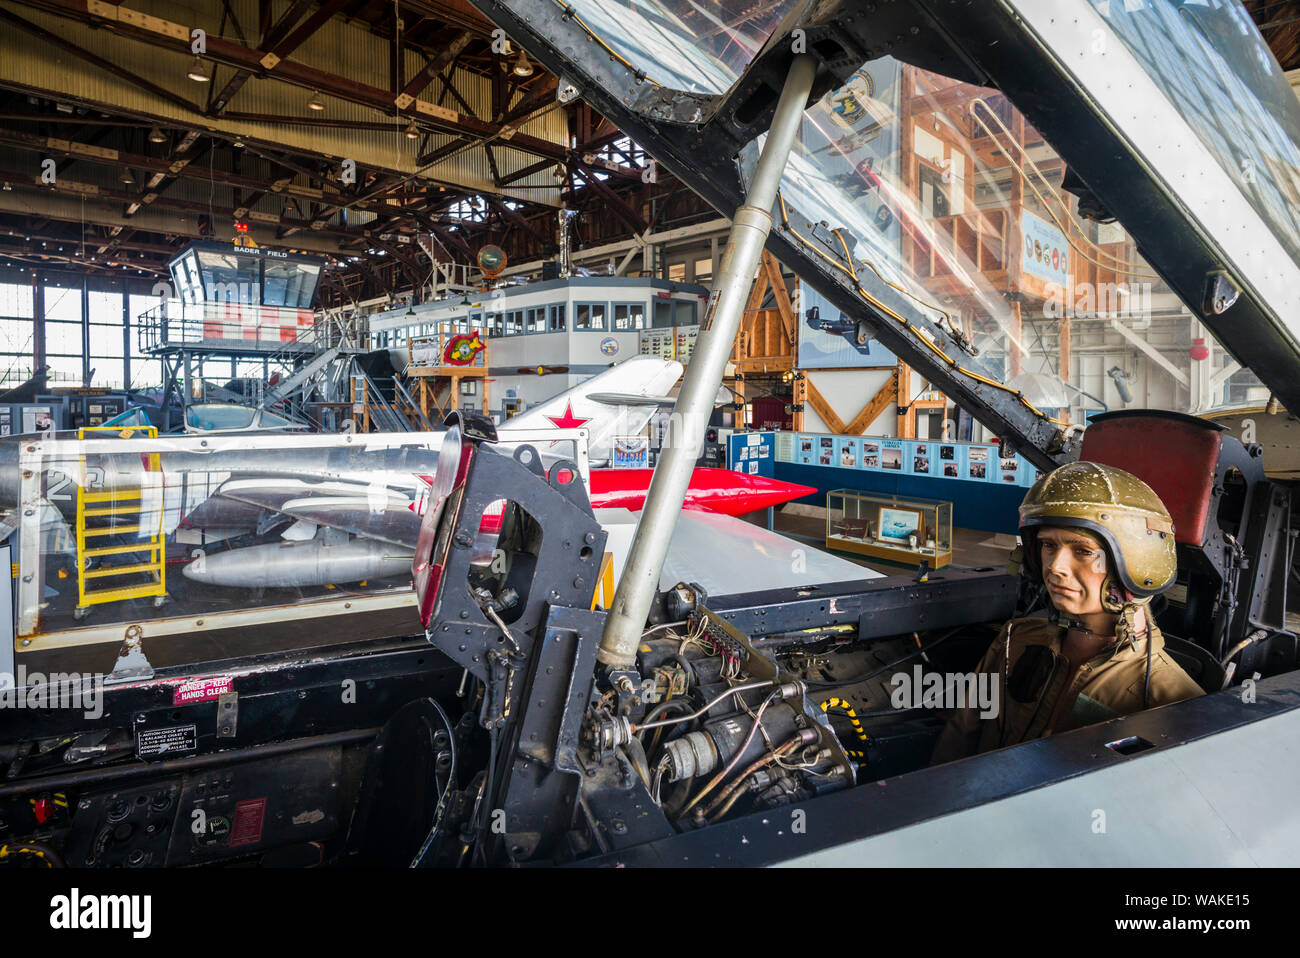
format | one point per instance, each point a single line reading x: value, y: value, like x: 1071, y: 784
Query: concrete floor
x: 971, y: 548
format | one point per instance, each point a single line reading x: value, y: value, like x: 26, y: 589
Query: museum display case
x: 889, y: 527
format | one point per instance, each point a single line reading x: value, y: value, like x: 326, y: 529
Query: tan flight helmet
x: 1119, y: 509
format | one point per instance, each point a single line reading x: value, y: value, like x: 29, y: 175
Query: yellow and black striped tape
x: 847, y: 709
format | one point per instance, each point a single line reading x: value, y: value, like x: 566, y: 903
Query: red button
x: 43, y: 809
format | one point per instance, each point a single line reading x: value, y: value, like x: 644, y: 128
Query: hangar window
x: 629, y: 316
x: 589, y: 316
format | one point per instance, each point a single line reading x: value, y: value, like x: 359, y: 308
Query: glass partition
x: 221, y: 546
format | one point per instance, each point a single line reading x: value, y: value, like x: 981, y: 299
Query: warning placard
x: 201, y: 690
x: 249, y: 816
x: 165, y: 741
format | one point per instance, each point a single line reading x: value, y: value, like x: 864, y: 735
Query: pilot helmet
x: 1119, y: 509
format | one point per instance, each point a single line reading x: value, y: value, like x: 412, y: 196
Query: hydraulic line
x: 733, y: 791
x: 746, y: 687
x: 735, y: 759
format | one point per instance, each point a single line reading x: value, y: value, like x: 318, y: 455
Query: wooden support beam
x: 872, y: 410
x: 1220, y: 376
x: 772, y: 267
x: 799, y: 397
x: 823, y: 409
x: 906, y: 428
x: 758, y: 291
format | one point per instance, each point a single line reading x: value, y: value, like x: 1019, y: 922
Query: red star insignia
x: 568, y: 420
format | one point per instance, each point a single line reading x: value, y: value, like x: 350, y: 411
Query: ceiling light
x: 315, y: 103
x: 198, y: 71
x: 237, y: 143
x: 412, y: 131
x: 156, y: 136
x: 127, y: 178
x: 7, y: 187
x: 522, y: 67
x: 410, y: 312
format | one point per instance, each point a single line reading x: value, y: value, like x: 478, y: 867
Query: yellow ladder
x: 107, y: 510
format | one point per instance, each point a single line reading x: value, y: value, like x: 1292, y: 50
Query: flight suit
x: 1033, y: 675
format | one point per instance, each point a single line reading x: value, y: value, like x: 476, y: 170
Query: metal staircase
x: 300, y: 377
x: 388, y: 403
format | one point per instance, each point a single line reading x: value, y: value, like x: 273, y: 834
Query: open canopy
x: 1001, y: 191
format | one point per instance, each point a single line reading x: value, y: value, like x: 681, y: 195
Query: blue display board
x: 908, y: 457
x: 753, y: 453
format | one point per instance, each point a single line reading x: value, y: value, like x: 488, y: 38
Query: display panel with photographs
x: 909, y: 457
x: 849, y: 453
x: 920, y: 458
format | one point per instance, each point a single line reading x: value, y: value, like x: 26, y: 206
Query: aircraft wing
x: 371, y: 511
x: 756, y: 559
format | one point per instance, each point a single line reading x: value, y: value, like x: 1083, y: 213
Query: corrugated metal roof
x: 347, y: 50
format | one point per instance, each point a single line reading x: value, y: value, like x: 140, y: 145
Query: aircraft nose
x: 203, y: 569
x: 764, y: 492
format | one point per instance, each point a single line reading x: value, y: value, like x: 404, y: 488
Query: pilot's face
x: 1074, y: 569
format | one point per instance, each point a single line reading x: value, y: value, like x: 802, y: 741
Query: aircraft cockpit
x: 1034, y: 204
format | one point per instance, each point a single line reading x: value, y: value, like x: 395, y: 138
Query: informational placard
x: 893, y: 455
x: 785, y: 442
x: 753, y: 453
x: 658, y: 343
x: 631, y: 452
x: 848, y: 458
x: 424, y: 352
x: 1045, y: 256
x: 686, y: 337
x: 950, y: 460
x: 38, y: 418
x: 100, y: 409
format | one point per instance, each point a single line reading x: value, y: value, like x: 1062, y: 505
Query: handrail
x: 406, y: 397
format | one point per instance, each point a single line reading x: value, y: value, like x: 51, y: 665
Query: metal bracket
x: 131, y: 661
x: 561, y: 571
x: 227, y: 715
